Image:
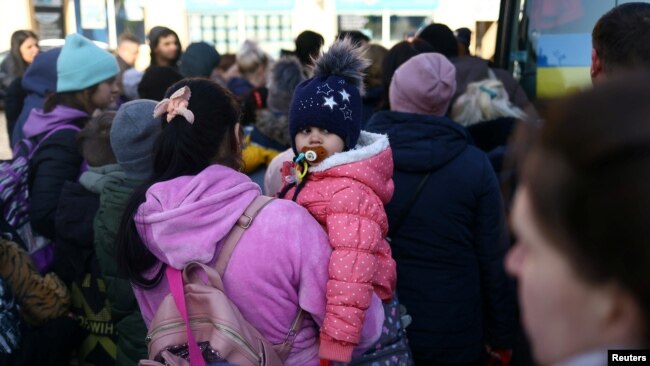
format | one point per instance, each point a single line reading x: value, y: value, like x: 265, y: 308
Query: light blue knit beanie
x: 83, y: 64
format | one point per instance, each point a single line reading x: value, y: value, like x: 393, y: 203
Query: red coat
x: 346, y: 194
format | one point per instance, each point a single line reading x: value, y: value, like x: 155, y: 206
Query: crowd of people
x: 391, y: 239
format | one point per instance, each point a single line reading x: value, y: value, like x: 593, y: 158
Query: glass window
x: 370, y: 25
x: 403, y: 27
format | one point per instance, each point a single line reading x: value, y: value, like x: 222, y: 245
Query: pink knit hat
x: 424, y: 85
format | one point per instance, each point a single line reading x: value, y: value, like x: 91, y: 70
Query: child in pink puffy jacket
x: 343, y: 176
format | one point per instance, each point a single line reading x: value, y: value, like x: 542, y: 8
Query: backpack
x: 392, y: 347
x: 14, y: 202
x: 201, y: 313
x: 9, y: 320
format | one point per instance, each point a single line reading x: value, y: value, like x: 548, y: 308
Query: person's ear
x: 622, y: 316
x: 596, y: 66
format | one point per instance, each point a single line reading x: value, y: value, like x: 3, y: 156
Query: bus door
x: 547, y: 43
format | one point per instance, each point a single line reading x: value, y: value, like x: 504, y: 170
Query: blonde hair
x: 375, y: 53
x: 250, y: 58
x: 483, y: 101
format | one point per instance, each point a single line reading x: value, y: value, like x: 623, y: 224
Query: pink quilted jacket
x: 346, y: 194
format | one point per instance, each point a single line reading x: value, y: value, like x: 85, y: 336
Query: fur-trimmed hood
x: 274, y: 126
x: 370, y: 162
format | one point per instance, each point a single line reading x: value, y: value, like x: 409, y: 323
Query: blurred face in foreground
x: 562, y: 314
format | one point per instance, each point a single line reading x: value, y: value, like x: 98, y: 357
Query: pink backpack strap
x: 234, y: 235
x: 244, y: 222
x: 175, y: 280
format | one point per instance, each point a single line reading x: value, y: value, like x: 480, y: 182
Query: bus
x: 546, y: 44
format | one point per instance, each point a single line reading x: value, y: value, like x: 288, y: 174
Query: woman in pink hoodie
x: 343, y: 176
x: 194, y: 198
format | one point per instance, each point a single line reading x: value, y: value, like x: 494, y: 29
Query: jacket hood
x: 184, y: 219
x: 420, y: 142
x: 96, y: 177
x: 40, y: 76
x: 274, y: 126
x: 370, y: 162
x: 39, y: 122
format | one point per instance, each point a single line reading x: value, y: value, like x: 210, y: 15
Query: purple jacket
x: 40, y: 122
x: 280, y: 263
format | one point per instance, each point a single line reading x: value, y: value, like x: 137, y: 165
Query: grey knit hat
x: 285, y: 75
x: 133, y: 134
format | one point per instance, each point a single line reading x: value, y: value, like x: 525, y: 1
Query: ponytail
x: 183, y: 148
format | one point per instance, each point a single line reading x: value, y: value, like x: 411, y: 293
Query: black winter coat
x: 56, y: 161
x: 450, y: 248
x: 76, y: 263
x: 492, y: 138
x: 75, y: 214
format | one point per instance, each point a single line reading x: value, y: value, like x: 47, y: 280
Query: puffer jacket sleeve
x: 56, y: 161
x: 491, y: 245
x: 125, y: 312
x: 356, y: 225
x: 385, y: 278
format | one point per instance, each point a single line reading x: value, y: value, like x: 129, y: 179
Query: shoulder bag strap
x: 50, y: 133
x: 284, y: 348
x: 243, y: 223
x: 409, y: 206
x: 235, y: 234
x: 175, y: 280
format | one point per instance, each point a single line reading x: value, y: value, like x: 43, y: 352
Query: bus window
x: 548, y: 43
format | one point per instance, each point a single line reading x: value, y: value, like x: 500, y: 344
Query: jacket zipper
x: 232, y: 334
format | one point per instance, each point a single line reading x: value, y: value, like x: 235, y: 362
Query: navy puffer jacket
x: 450, y: 248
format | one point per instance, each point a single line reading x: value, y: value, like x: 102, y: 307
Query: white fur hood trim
x: 368, y: 145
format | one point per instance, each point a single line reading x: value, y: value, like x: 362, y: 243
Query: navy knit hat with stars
x: 332, y: 98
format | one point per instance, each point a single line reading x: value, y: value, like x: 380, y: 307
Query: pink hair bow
x: 176, y: 105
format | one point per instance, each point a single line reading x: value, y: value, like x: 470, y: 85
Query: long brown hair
x: 17, y: 39
x: 80, y: 100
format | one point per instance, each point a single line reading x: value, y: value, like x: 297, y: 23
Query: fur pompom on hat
x: 424, y: 85
x: 331, y: 99
x: 285, y: 75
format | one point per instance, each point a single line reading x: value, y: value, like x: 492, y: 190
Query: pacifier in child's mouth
x: 314, y: 154
x: 308, y: 156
